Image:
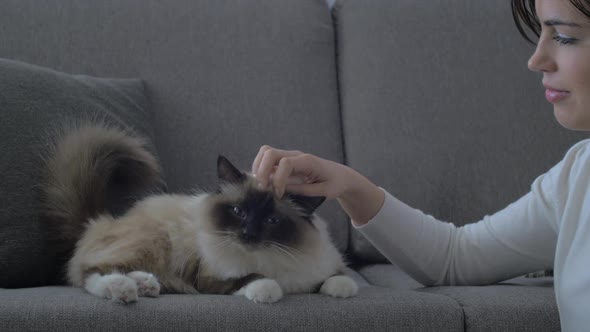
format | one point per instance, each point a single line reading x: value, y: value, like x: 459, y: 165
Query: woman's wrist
x: 361, y: 199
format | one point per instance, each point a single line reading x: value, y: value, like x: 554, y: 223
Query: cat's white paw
x: 339, y: 286
x: 120, y: 288
x: 147, y: 283
x: 264, y: 291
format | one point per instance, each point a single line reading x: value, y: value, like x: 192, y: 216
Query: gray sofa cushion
x: 373, y: 309
x: 519, y: 304
x: 450, y: 122
x: 33, y: 102
x: 223, y: 76
x: 516, y: 305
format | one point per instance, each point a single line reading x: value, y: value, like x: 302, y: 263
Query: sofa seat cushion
x: 519, y: 304
x: 373, y: 309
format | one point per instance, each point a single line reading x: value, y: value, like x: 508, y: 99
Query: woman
x: 548, y: 227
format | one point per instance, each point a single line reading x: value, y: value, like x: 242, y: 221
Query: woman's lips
x: 553, y: 95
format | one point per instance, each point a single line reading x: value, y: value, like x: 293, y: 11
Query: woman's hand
x: 306, y: 174
x: 300, y: 173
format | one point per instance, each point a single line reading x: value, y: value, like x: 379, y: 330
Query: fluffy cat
x: 236, y: 240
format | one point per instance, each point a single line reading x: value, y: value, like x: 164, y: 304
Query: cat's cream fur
x: 171, y: 243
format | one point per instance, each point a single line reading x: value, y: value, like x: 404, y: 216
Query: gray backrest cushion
x: 34, y: 103
x: 439, y: 107
x: 223, y: 76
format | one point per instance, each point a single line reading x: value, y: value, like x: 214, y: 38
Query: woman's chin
x: 567, y: 119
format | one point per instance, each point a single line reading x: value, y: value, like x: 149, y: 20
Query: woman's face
x: 563, y: 56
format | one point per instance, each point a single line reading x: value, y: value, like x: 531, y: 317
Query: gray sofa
x: 430, y: 99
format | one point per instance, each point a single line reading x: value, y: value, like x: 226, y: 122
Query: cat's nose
x: 248, y: 235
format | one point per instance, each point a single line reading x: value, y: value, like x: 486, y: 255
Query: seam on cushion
x: 334, y: 20
x: 338, y: 88
x: 461, y: 305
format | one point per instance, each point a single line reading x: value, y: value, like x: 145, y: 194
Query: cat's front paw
x: 120, y: 288
x: 339, y: 286
x: 264, y: 291
x: 147, y: 283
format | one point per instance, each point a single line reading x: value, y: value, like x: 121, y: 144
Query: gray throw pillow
x: 33, y: 102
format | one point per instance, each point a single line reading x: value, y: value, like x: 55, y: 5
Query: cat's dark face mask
x: 256, y: 217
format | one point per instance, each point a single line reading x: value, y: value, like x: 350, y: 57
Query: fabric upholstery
x: 35, y: 102
x: 374, y: 309
x: 517, y: 305
x: 223, y: 77
x: 449, y: 121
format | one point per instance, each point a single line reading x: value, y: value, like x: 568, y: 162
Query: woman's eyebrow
x: 555, y: 22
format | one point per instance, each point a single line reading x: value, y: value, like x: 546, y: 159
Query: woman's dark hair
x: 524, y: 14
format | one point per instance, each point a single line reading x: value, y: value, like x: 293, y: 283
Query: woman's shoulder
x: 574, y: 164
x: 567, y: 177
x: 579, y: 154
x: 581, y: 146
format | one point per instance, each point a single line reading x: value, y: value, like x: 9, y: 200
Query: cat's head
x: 255, y: 218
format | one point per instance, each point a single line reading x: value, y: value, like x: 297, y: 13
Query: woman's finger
x: 289, y: 169
x: 258, y: 158
x: 271, y: 158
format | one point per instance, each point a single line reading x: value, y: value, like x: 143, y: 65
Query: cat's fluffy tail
x: 93, y: 169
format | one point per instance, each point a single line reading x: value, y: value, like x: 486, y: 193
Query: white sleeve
x: 516, y: 240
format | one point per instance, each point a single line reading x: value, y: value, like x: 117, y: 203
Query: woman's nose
x: 542, y: 60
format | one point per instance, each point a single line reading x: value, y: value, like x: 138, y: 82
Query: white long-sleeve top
x: 549, y: 227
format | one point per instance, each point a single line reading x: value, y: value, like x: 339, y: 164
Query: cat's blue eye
x: 239, y: 212
x: 562, y: 40
x: 272, y: 221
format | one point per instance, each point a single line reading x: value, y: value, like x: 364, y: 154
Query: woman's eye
x: 238, y: 212
x: 562, y: 40
x: 272, y: 221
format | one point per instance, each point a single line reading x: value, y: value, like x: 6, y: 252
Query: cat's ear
x: 226, y: 172
x: 308, y: 203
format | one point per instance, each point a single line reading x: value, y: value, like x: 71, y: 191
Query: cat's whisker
x: 223, y: 241
x: 224, y: 236
x: 196, y: 280
x: 286, y: 247
x: 186, y: 259
x: 275, y: 246
x: 181, y: 268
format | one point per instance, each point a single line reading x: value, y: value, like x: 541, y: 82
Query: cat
x: 237, y: 239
